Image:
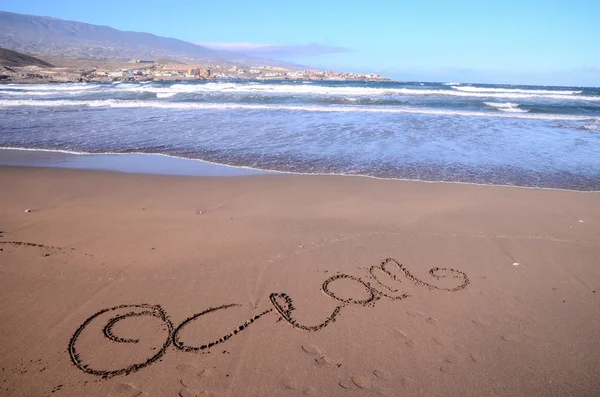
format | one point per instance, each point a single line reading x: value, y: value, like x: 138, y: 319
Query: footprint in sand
x: 191, y: 377
x: 381, y: 374
x: 347, y: 384
x: 126, y: 390
x: 415, y: 313
x: 319, y: 358
x: 361, y: 382
x: 378, y: 380
x: 403, y: 336
x: 450, y: 358
x: 508, y: 337
x: 188, y: 393
x: 400, y: 333
x: 311, y: 349
x: 194, y: 393
x: 289, y: 383
x: 325, y: 362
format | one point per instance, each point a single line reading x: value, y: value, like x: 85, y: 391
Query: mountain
x: 16, y: 59
x: 69, y: 39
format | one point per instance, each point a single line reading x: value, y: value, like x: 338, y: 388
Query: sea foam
x: 506, y: 107
x: 515, y: 90
x: 305, y: 90
x: 165, y: 94
x: 115, y: 103
x: 345, y: 91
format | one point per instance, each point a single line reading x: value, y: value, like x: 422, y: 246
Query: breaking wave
x: 165, y: 94
x: 506, y: 107
x: 262, y: 89
x: 515, y: 91
x: 115, y: 103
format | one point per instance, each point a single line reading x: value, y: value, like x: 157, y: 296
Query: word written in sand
x: 281, y: 304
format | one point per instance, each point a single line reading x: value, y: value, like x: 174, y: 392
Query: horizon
x: 511, y: 43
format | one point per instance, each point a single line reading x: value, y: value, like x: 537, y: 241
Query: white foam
x: 311, y: 89
x: 506, y: 107
x: 515, y: 90
x: 450, y: 83
x: 165, y: 94
x: 300, y: 173
x: 115, y: 103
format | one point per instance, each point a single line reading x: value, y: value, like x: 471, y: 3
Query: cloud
x: 276, y: 50
x: 591, y: 69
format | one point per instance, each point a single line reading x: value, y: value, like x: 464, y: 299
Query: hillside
x: 59, y: 38
x: 15, y: 59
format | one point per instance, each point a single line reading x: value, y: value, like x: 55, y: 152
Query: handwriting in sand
x: 281, y: 304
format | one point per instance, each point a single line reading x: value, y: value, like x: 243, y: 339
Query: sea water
x: 474, y: 133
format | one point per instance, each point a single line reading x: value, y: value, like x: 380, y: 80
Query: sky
x: 521, y: 42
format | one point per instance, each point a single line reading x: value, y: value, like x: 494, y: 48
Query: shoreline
x: 148, y: 163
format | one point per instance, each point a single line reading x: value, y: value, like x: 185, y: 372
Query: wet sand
x: 285, y: 285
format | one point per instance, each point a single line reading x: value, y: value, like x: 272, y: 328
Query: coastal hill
x: 15, y: 59
x: 46, y: 36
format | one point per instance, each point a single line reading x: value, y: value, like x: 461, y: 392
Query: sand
x: 280, y: 285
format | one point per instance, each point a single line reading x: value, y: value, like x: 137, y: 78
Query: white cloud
x: 275, y: 50
x: 592, y: 69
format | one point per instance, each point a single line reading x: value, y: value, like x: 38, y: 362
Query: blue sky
x: 526, y: 41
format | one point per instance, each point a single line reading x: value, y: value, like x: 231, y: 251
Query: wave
x: 275, y: 171
x: 313, y: 89
x: 450, y: 83
x: 506, y: 107
x: 115, y: 103
x: 306, y: 89
x: 165, y: 94
x: 515, y: 91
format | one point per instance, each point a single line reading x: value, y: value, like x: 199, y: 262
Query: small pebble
x: 28, y: 210
x: 580, y: 221
x: 516, y: 264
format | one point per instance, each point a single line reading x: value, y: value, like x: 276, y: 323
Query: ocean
x: 528, y: 136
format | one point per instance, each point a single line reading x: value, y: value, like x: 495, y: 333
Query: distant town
x: 150, y: 70
x: 21, y: 68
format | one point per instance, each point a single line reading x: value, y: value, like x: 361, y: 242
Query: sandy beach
x: 285, y: 285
